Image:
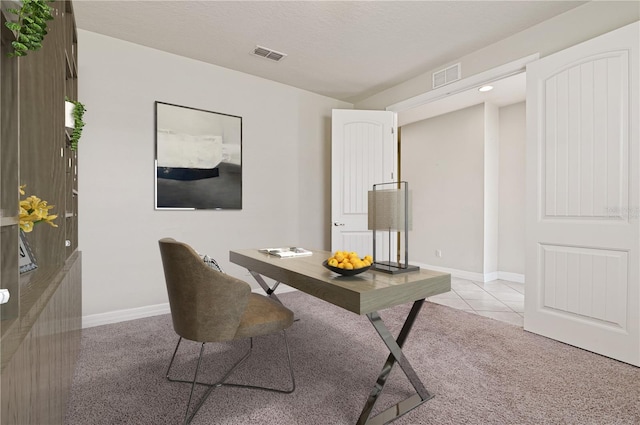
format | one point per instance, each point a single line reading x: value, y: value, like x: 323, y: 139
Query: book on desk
x: 287, y: 252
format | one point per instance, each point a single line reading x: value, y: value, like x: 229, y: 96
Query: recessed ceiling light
x: 485, y: 88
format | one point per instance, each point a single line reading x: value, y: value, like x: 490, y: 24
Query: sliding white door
x: 583, y: 185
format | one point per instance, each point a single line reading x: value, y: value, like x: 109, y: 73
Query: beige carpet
x: 482, y: 372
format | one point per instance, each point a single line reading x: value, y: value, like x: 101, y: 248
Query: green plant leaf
x: 78, y: 114
x: 18, y: 46
x: 30, y: 25
x: 13, y: 26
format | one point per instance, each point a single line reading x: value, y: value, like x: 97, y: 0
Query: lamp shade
x: 389, y: 209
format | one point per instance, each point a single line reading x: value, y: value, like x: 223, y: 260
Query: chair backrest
x: 206, y: 305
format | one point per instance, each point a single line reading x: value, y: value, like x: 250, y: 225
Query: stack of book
x: 287, y: 252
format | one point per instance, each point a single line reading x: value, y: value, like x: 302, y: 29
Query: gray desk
x: 366, y: 293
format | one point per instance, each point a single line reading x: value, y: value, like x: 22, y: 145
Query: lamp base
x: 393, y: 268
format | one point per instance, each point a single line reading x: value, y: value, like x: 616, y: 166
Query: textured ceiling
x: 347, y: 50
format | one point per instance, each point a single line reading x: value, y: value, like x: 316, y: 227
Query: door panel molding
x: 586, y: 282
x: 585, y: 174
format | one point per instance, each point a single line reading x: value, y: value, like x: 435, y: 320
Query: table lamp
x: 389, y: 209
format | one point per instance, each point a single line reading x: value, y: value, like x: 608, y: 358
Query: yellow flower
x: 49, y: 220
x: 33, y: 210
x: 26, y: 226
x: 41, y: 209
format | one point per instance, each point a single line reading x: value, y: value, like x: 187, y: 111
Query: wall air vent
x: 446, y: 76
x: 264, y: 52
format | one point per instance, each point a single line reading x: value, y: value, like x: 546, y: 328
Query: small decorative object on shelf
x: 34, y: 210
x: 69, y: 121
x: 78, y: 122
x: 26, y: 259
x: 30, y: 25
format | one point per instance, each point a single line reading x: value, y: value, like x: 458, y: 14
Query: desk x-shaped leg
x: 396, y: 356
x: 268, y: 289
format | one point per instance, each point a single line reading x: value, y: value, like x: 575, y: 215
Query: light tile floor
x: 499, y: 299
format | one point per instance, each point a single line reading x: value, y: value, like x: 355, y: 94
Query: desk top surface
x: 364, y: 293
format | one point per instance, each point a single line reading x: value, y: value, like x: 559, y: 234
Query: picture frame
x: 26, y: 259
x: 198, y: 159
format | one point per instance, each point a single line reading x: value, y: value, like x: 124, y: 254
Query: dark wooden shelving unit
x: 40, y: 326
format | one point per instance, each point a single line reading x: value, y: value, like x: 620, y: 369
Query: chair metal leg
x: 293, y: 381
x: 208, y: 384
x: 188, y: 418
x: 221, y: 382
x: 172, y: 358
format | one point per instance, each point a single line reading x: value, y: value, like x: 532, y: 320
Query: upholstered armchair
x: 208, y: 306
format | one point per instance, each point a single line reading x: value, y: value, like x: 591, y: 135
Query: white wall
x: 511, y: 240
x: 466, y: 169
x: 443, y: 161
x: 580, y: 24
x: 286, y: 150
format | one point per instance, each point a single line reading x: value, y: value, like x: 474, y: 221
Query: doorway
x: 509, y: 87
x: 445, y: 155
x: 443, y: 150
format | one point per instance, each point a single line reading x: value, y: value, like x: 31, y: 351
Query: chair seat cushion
x: 263, y: 316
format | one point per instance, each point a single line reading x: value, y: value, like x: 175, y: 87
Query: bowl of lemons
x: 348, y: 263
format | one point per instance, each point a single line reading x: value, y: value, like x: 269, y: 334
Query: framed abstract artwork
x: 198, y: 159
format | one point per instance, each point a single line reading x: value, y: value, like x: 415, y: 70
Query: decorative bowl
x: 345, y: 272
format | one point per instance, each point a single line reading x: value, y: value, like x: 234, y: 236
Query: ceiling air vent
x: 268, y: 53
x: 446, y: 76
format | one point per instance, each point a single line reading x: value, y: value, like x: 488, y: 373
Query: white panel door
x: 363, y: 153
x: 582, y: 277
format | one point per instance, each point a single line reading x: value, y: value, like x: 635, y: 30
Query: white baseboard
x: 117, y: 316
x: 110, y: 317
x: 511, y: 277
x: 462, y: 274
x: 475, y: 276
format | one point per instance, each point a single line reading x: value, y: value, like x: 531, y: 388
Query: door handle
x: 335, y: 223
